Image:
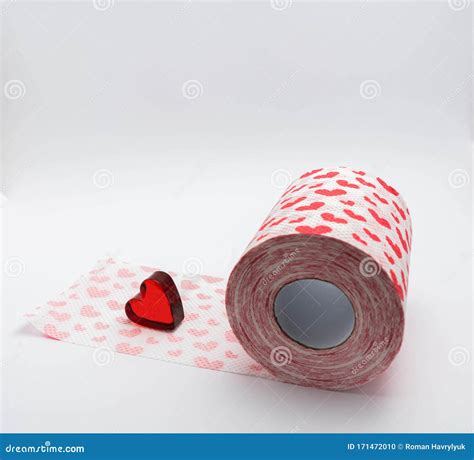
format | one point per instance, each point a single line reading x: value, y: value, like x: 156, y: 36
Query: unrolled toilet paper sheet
x: 91, y: 312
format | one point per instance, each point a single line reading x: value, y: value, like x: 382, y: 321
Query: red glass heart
x: 158, y: 305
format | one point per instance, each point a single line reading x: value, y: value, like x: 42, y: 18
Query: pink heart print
x: 130, y: 332
x: 52, y: 331
x: 57, y: 303
x: 206, y: 346
x: 175, y: 353
x: 101, y: 338
x: 202, y: 361
x: 128, y: 349
x: 89, y: 311
x: 59, y: 316
x: 125, y: 273
x: 99, y: 279
x: 96, y: 292
x: 188, y: 284
x: 114, y: 305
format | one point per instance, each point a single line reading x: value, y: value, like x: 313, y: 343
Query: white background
x: 281, y: 94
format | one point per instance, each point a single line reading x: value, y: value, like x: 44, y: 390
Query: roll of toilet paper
x: 318, y: 296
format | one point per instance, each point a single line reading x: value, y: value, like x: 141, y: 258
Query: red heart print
x: 335, y: 192
x: 158, y: 304
x: 330, y: 217
x: 311, y: 207
x: 328, y: 175
x: 318, y: 230
x: 289, y: 204
x: 344, y: 183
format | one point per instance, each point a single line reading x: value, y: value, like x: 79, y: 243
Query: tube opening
x: 314, y: 313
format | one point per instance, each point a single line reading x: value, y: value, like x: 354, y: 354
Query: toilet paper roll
x: 333, y: 229
x: 316, y: 299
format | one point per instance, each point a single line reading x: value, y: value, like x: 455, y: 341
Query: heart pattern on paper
x: 95, y: 316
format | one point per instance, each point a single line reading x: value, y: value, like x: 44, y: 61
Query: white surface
x: 281, y: 91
